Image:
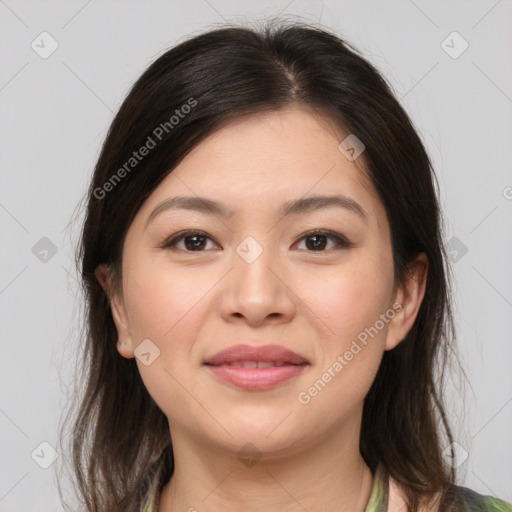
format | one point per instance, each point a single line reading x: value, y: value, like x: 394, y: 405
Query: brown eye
x: 197, y: 241
x: 194, y: 241
x: 319, y: 240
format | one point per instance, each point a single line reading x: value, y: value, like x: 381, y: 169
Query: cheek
x: 160, y: 299
x: 165, y: 306
x: 351, y: 303
x: 349, y: 299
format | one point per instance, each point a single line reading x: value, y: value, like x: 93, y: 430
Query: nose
x: 257, y: 292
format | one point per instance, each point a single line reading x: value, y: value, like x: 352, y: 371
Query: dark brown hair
x: 118, y: 431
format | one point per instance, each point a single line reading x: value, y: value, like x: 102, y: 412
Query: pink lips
x: 256, y: 368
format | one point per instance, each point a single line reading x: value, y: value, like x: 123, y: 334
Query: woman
x: 267, y: 292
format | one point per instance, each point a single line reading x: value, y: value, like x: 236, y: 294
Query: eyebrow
x: 295, y: 207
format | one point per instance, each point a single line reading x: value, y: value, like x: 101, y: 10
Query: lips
x: 256, y: 364
x: 256, y: 368
x: 266, y: 356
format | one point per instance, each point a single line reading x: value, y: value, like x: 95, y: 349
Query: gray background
x: 54, y: 116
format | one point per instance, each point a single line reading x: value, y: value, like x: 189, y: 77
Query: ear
x: 104, y: 276
x: 407, y: 302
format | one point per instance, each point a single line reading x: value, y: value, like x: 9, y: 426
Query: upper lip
x: 273, y: 353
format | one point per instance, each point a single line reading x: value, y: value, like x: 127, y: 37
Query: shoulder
x: 468, y: 500
x: 461, y: 499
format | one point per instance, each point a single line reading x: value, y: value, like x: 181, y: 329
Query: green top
x: 470, y: 501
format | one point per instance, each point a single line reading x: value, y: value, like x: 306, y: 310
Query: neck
x: 328, y: 475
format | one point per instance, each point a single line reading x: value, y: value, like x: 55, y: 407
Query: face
x: 197, y: 282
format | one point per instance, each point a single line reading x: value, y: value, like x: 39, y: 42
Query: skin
x: 315, y: 302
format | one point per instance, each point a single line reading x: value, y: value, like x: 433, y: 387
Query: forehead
x: 280, y: 145
x: 263, y: 160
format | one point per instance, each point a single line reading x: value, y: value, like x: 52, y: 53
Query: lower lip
x: 256, y: 378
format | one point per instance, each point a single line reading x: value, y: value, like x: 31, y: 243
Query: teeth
x: 246, y: 364
x: 256, y: 364
x: 268, y: 364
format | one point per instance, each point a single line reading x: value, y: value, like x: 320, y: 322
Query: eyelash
x: 341, y: 242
